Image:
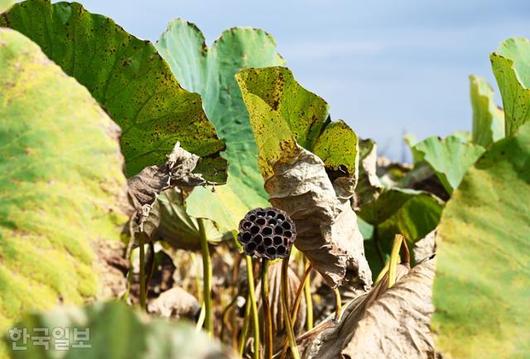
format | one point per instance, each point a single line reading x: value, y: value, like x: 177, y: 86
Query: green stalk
x: 207, y: 278
x: 143, y: 292
x: 224, y: 316
x: 253, y: 306
x: 266, y: 308
x: 251, y: 310
x: 200, y: 321
x: 197, y: 278
x: 150, y: 262
x: 244, y: 331
x: 382, y: 273
x: 308, y: 298
x: 394, y: 259
x: 285, y: 305
x: 309, y: 305
x: 298, y: 298
x: 296, y: 305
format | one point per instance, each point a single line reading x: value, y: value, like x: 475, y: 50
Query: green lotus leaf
x: 488, y: 118
x: 177, y: 228
x: 449, y: 158
x: 283, y: 115
x: 511, y: 66
x: 128, y: 78
x: 5, y: 5
x: 463, y: 136
x: 210, y: 72
x: 411, y: 213
x: 482, y: 280
x: 61, y: 182
x: 113, y: 330
x: 410, y: 140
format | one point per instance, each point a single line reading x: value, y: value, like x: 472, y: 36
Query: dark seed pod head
x: 267, y: 233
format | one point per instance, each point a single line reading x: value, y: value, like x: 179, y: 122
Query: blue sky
x: 385, y: 67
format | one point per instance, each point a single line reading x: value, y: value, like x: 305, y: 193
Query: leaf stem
x: 200, y: 321
x: 266, y: 308
x: 394, y: 259
x: 382, y: 273
x: 224, y: 316
x: 285, y: 305
x: 143, y: 292
x: 308, y: 297
x: 305, y: 279
x: 253, y: 306
x: 207, y: 278
x: 244, y: 330
x: 150, y: 263
x: 298, y: 298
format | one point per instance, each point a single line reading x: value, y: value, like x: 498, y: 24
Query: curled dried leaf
x: 145, y: 187
x: 425, y: 247
x: 368, y: 186
x: 327, y: 231
x: 384, y: 323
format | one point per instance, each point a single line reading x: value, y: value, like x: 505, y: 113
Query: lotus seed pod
x: 267, y: 233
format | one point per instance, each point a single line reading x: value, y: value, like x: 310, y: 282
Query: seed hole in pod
x: 261, y: 221
x: 271, y: 251
x: 272, y: 222
x: 288, y: 234
x: 260, y: 249
x: 245, y: 237
x: 252, y: 217
x: 260, y: 214
x: 254, y: 229
x: 278, y: 230
x: 267, y: 231
x: 250, y: 248
x: 271, y: 213
x: 286, y: 241
x: 258, y: 239
x: 280, y: 217
x: 267, y: 241
x: 281, y: 250
x: 286, y: 225
x: 247, y: 225
x: 277, y: 240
